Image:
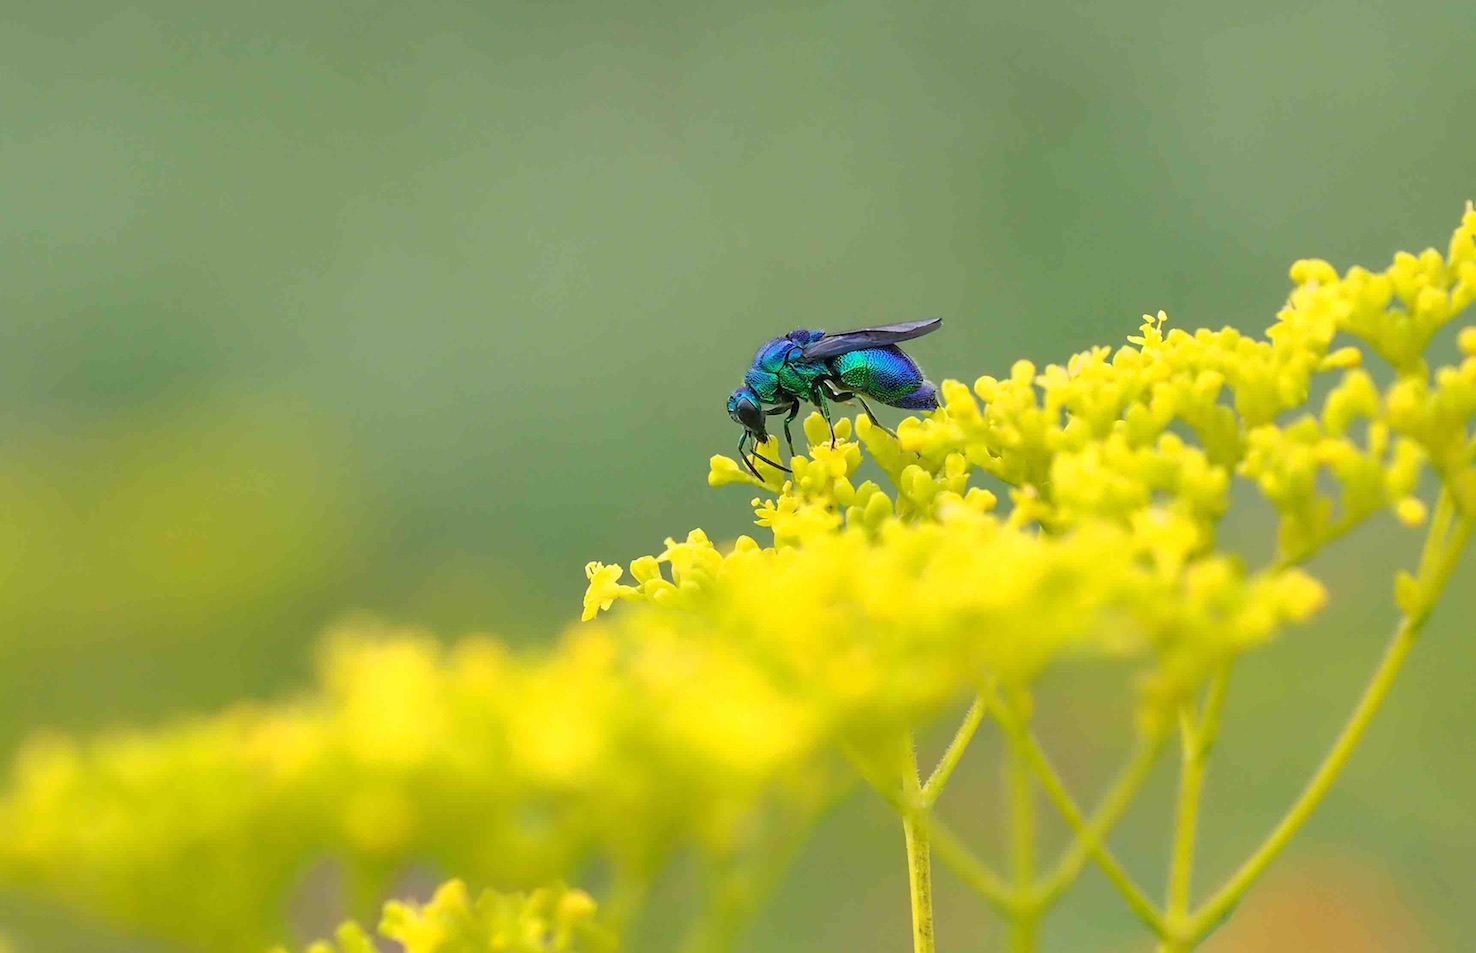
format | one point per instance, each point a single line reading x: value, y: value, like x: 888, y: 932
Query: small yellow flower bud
x: 1309, y: 270
x: 1433, y: 305
x: 1343, y: 358
x: 574, y: 906
x: 724, y: 470
x: 959, y: 402
x: 816, y: 430
x: 878, y: 510
x: 1411, y: 511
x: 644, y: 569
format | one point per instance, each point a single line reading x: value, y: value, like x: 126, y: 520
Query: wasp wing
x: 843, y: 342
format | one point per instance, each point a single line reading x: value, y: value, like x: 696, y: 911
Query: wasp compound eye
x: 750, y: 416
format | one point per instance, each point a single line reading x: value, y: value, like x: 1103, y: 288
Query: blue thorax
x: 778, y: 369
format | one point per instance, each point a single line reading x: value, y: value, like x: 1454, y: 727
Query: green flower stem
x: 919, y: 857
x: 1055, y: 789
x: 954, y: 754
x: 1197, y: 737
x: 1025, y: 925
x: 920, y: 881
x: 1095, y: 830
x: 1442, y: 550
x: 1224, y: 899
x: 966, y: 865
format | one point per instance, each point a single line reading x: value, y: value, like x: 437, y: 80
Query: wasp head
x: 743, y: 407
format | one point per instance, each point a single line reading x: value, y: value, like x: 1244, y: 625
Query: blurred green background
x: 415, y: 308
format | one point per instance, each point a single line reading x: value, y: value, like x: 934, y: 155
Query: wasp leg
x: 867, y: 407
x: 793, y: 412
x: 773, y: 463
x: 743, y: 455
x: 818, y: 395
x: 793, y: 408
x: 870, y: 414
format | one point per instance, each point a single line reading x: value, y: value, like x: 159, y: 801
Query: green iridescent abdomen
x: 886, y: 374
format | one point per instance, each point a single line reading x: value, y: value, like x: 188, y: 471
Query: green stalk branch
x: 1443, y: 546
x: 955, y: 752
x: 1197, y: 737
x: 919, y: 858
x: 1055, y: 789
x: 952, y: 851
x: 1025, y: 925
x: 1094, y: 831
x: 920, y: 882
x: 1220, y: 904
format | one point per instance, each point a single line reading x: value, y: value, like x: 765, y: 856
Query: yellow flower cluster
x: 876, y: 625
x: 706, y: 711
x: 505, y: 769
x: 1119, y: 465
x: 548, y: 920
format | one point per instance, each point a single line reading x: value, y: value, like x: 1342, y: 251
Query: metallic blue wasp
x: 817, y: 367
